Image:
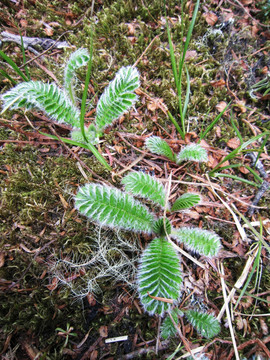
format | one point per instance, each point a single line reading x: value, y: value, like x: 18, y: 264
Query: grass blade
x: 213, y: 123
x: 87, y: 80
x: 6, y: 75
x: 239, y: 149
x: 24, y: 59
x: 87, y: 146
x: 13, y: 65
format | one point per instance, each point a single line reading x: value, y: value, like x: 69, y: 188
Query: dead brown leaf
x: 103, y: 331
x: 190, y: 54
x: 49, y: 31
x: 221, y: 106
x: 210, y: 18
x: 218, y: 83
x: 53, y: 284
x: 2, y: 259
x: 264, y: 327
x: 233, y: 143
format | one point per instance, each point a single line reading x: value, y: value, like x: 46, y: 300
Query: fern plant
x: 193, y: 152
x: 159, y: 274
x: 61, y: 105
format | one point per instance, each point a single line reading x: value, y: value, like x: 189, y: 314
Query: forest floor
x: 51, y: 310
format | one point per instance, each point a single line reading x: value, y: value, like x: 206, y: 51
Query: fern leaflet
x: 159, y: 146
x: 118, y: 97
x: 167, y: 328
x: 146, y: 186
x: 77, y: 59
x: 111, y: 207
x: 159, y: 275
x: 46, y: 97
x: 206, y: 324
x: 202, y: 241
x: 193, y: 152
x: 186, y: 201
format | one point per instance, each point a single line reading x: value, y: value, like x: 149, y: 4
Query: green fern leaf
x: 167, y: 328
x: 159, y: 275
x: 146, y: 186
x: 159, y: 146
x: 206, y: 324
x: 186, y: 201
x: 118, y: 97
x: 158, y: 227
x: 113, y: 208
x: 46, y: 97
x: 77, y: 59
x: 193, y: 152
x: 202, y: 241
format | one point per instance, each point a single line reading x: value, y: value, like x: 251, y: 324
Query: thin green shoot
x: 239, y: 149
x: 256, y: 265
x: 237, y: 178
x: 255, y: 232
x: 213, y: 123
x: 256, y: 176
x: 260, y: 150
x: 87, y: 146
x: 236, y: 129
x: 188, y: 38
x: 87, y: 80
x: 187, y: 94
x: 177, y: 72
x: 6, y: 75
x: 24, y: 59
x: 13, y: 65
x: 175, y: 123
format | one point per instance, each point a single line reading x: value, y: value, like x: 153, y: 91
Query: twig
x: 143, y: 53
x: 221, y: 269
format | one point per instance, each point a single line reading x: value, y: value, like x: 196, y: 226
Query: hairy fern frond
x: 46, y: 97
x: 77, y: 59
x: 160, y: 226
x: 159, y: 276
x: 206, y: 324
x: 113, y: 208
x: 202, y: 241
x: 160, y: 147
x: 167, y: 328
x: 193, y: 152
x: 186, y: 201
x: 145, y: 186
x: 118, y: 97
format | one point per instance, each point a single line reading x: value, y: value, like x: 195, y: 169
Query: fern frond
x: 186, y: 201
x: 159, y: 275
x: 167, y: 328
x: 146, y: 186
x: 160, y: 147
x: 46, y: 97
x: 77, y: 59
x: 193, y: 152
x: 113, y: 208
x: 159, y: 228
x: 202, y: 241
x: 206, y: 324
x: 118, y: 97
